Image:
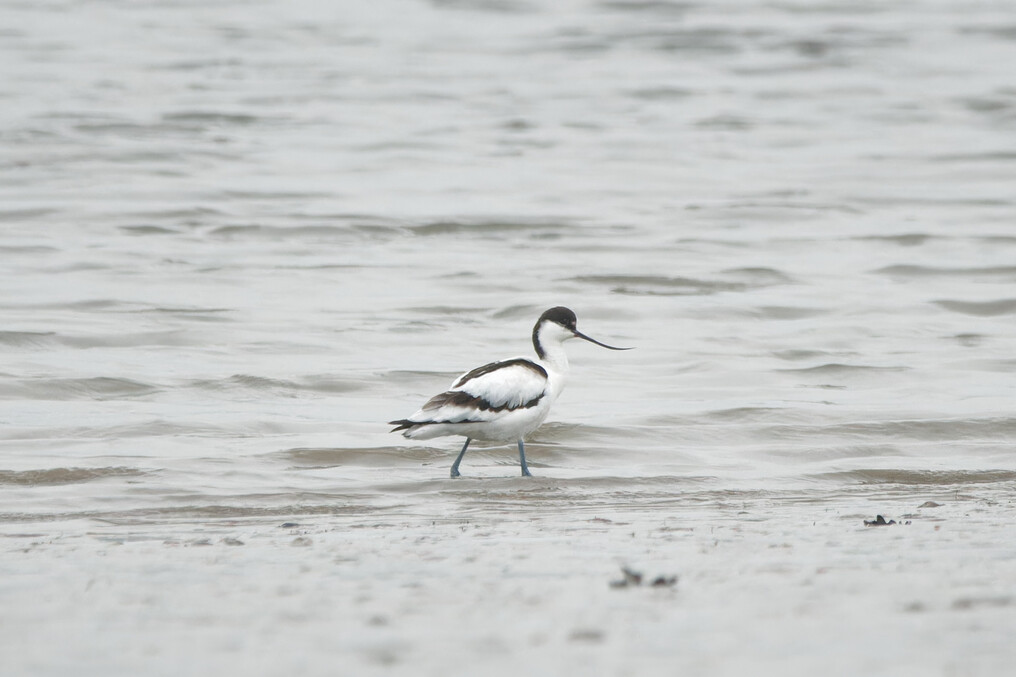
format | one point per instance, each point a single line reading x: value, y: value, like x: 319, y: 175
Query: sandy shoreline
x: 768, y: 584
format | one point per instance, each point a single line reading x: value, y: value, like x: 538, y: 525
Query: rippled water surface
x: 238, y: 237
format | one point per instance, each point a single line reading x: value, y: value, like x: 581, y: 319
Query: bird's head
x: 558, y: 325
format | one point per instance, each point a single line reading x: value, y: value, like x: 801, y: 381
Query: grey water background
x: 238, y: 237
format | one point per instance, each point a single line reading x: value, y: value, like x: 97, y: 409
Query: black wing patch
x: 494, y: 366
x: 459, y: 398
x: 490, y: 393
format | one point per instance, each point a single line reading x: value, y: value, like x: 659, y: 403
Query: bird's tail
x: 402, y: 424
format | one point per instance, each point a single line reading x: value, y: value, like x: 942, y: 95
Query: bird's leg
x: 455, y: 465
x: 522, y: 459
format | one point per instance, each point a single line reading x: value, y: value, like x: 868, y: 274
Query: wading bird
x: 502, y: 401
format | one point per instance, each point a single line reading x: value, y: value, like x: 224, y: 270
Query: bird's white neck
x: 548, y: 340
x: 555, y: 357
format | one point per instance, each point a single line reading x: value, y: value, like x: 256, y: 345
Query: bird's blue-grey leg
x: 455, y: 465
x: 522, y: 459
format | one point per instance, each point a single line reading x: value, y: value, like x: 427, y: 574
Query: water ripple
x: 980, y: 308
x: 920, y: 477
x: 94, y: 388
x: 60, y: 476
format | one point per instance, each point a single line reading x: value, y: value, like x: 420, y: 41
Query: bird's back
x: 500, y: 400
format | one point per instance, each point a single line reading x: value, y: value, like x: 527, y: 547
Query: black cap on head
x: 560, y: 315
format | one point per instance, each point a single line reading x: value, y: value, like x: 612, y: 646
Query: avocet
x: 502, y: 401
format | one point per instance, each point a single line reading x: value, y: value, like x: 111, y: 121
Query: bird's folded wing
x: 482, y: 393
x: 508, y: 384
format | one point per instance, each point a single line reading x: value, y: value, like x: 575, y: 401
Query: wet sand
x: 503, y: 575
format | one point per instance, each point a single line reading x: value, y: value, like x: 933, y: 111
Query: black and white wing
x: 480, y: 394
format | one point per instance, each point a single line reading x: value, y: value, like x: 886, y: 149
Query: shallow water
x: 238, y: 237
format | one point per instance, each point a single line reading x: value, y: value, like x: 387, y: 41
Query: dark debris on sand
x: 634, y: 578
x: 880, y: 521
